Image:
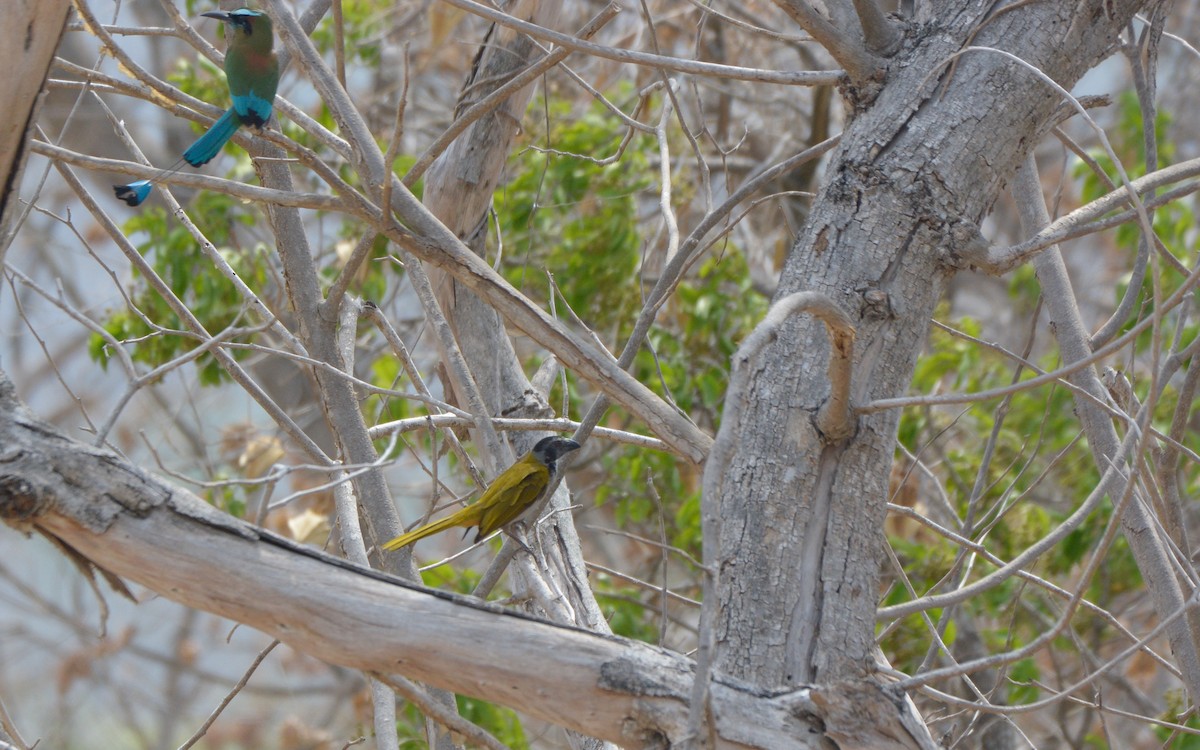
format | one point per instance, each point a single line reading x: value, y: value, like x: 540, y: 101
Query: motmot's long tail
x: 209, y: 145
x: 468, y: 517
x: 199, y: 153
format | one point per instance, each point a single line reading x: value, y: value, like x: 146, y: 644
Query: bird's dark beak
x: 566, y: 446
x: 217, y: 14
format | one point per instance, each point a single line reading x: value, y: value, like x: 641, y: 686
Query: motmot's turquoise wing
x: 254, y: 110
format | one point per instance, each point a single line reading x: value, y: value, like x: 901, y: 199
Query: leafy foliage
x: 1037, y: 461
x: 576, y: 219
x: 501, y: 723
x: 178, y: 261
x: 361, y: 30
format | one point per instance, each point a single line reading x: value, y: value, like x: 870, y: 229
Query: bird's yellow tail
x: 465, y: 517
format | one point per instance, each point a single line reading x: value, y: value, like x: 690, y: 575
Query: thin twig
x: 339, y: 43
x: 660, y: 590
x: 497, y: 97
x: 549, y: 424
x: 228, y: 697
x: 726, y: 72
x: 10, y: 728
x: 234, y: 188
x: 440, y: 713
x: 393, y: 149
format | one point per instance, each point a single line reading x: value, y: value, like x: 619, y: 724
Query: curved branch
x: 846, y: 48
x: 834, y: 419
x: 838, y: 416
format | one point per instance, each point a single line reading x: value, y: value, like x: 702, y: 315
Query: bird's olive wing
x: 519, y: 487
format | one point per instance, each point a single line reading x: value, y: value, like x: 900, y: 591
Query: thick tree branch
x: 28, y: 40
x: 166, y: 539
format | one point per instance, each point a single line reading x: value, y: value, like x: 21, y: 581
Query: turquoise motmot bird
x: 252, y: 71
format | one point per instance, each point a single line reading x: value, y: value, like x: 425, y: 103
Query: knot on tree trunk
x: 20, y: 501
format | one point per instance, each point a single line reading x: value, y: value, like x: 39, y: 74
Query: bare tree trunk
x: 459, y: 192
x: 915, y: 173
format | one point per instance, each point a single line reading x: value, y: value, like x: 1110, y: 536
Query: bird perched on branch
x: 509, y: 495
x: 252, y: 72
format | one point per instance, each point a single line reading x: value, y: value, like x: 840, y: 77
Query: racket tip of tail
x: 134, y: 193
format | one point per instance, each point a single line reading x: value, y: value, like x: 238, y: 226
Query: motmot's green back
x: 251, y: 67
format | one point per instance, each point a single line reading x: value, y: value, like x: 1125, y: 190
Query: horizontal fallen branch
x: 145, y: 530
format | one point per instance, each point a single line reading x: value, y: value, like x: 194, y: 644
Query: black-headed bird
x: 252, y: 72
x: 509, y: 495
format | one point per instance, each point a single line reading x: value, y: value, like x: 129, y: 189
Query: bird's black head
x: 549, y: 449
